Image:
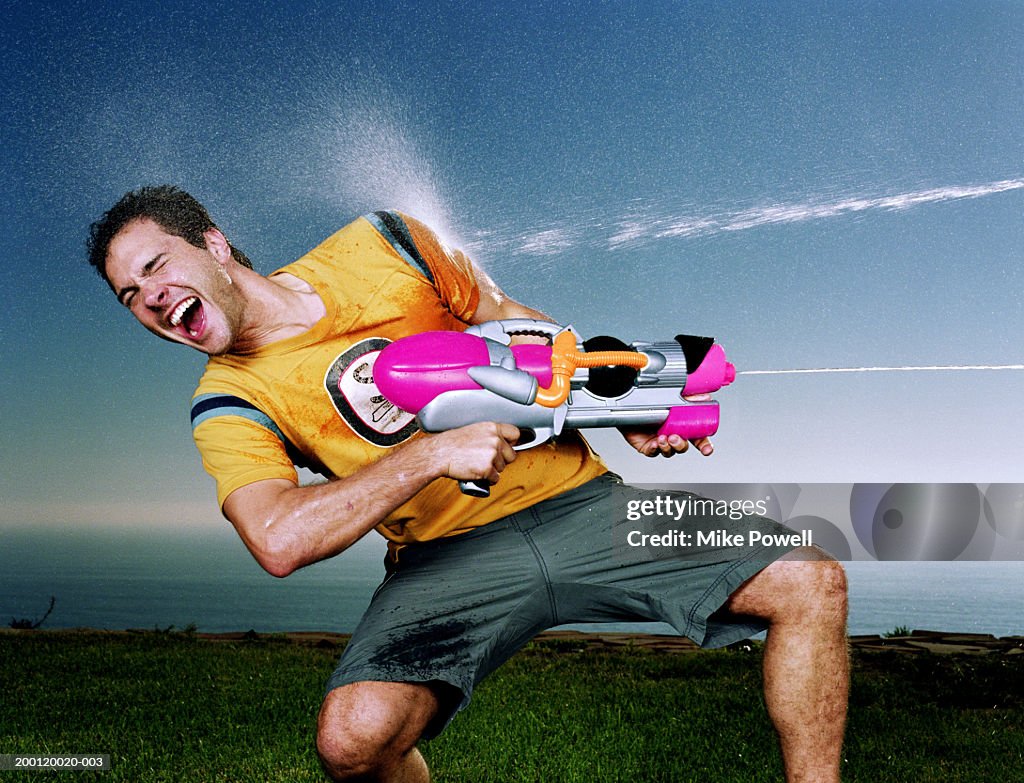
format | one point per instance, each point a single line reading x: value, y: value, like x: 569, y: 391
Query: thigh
x: 449, y: 613
x: 599, y: 576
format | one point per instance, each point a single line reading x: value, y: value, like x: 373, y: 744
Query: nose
x: 156, y: 296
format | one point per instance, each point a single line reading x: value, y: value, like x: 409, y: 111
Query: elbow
x: 277, y: 557
x: 276, y: 529
x: 275, y: 553
x: 279, y: 567
x: 265, y: 533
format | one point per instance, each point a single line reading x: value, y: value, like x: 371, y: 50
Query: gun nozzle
x: 730, y: 374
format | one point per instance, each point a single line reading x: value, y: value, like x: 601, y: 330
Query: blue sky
x: 816, y: 186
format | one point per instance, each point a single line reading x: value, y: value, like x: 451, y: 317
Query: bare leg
x: 368, y: 731
x: 806, y: 660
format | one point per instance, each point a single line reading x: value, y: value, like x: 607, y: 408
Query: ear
x: 218, y: 245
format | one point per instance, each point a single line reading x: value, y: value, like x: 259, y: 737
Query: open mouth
x: 188, y: 317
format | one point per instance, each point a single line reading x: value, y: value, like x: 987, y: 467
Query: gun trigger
x: 534, y: 437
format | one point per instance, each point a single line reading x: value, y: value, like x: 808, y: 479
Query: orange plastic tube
x: 565, y: 360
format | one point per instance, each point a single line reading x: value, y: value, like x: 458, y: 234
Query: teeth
x: 179, y: 311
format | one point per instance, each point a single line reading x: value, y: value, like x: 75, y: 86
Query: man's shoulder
x: 222, y: 375
x: 372, y: 246
x: 348, y: 234
x: 388, y: 223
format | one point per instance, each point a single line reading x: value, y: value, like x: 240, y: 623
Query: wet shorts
x: 454, y: 609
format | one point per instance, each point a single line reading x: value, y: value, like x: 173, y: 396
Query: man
x: 289, y: 381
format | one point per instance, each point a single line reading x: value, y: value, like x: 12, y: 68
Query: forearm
x: 287, y: 527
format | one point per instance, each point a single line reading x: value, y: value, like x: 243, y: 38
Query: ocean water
x: 157, y: 579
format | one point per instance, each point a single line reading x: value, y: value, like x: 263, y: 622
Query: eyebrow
x: 145, y: 271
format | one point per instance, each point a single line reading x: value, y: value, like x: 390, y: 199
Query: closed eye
x: 127, y: 294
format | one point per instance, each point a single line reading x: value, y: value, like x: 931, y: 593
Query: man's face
x: 178, y: 291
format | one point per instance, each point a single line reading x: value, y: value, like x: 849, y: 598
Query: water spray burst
x: 364, y: 151
x: 642, y: 227
x: 643, y: 230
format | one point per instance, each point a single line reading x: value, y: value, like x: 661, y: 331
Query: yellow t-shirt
x: 310, y: 400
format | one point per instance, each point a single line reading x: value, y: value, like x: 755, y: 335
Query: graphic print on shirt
x: 356, y: 398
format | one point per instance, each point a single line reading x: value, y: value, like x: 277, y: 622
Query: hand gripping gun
x: 451, y: 379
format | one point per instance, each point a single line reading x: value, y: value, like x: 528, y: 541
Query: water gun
x: 451, y: 379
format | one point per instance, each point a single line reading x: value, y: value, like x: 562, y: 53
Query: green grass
x: 171, y: 707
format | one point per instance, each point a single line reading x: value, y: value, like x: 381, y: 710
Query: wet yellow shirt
x: 310, y: 400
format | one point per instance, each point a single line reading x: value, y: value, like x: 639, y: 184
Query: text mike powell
x: 665, y: 508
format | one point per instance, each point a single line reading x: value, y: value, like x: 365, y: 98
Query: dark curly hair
x: 171, y: 208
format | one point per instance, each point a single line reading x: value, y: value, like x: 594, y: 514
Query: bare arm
x: 286, y: 527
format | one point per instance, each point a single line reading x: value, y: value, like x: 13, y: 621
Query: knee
x: 349, y: 746
x: 362, y: 732
x: 820, y: 584
x: 805, y: 586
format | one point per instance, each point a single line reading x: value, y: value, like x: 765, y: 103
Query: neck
x: 276, y: 308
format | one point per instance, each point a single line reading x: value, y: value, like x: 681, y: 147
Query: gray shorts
x: 453, y: 610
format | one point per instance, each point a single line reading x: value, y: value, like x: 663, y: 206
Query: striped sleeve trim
x: 208, y: 406
x: 393, y: 229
